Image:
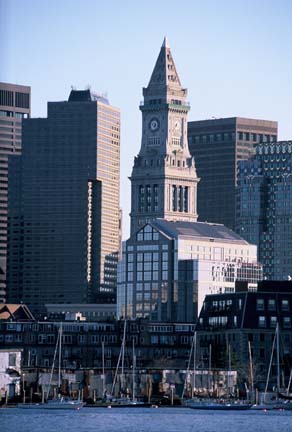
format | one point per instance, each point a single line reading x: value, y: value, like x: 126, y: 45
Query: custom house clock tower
x: 164, y: 179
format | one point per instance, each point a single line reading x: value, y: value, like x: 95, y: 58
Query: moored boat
x: 61, y: 403
x: 220, y: 405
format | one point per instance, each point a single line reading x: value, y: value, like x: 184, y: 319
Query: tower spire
x: 164, y: 179
x: 165, y: 43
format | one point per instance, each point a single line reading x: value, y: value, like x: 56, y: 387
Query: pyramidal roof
x: 164, y: 72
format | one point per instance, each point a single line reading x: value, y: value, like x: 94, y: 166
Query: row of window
x: 263, y: 321
x: 271, y: 305
x: 230, y: 136
x: 17, y: 115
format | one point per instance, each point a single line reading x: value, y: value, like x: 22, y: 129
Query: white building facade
x: 10, y: 372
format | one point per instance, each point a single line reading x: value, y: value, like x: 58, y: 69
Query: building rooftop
x: 86, y: 95
x: 14, y: 312
x: 199, y: 230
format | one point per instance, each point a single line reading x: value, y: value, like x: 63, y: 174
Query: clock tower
x: 164, y: 179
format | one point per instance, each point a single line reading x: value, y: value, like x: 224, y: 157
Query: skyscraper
x: 264, y: 206
x: 164, y: 180
x: 14, y: 106
x: 217, y: 146
x: 64, y: 231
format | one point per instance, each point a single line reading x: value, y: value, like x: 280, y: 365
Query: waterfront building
x: 10, y: 372
x: 239, y: 329
x: 169, y: 267
x: 81, y: 312
x: 264, y: 206
x: 14, y: 106
x: 164, y: 179
x: 217, y: 145
x: 91, y: 352
x: 64, y: 227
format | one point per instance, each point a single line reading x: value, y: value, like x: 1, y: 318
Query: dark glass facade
x: 264, y: 206
x: 64, y: 230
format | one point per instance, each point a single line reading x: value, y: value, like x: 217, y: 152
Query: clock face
x: 154, y: 124
x: 177, y: 126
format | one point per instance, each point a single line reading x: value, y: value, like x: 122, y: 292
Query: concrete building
x: 14, y: 106
x: 169, y: 267
x: 164, y: 180
x: 264, y: 206
x: 217, y: 145
x: 64, y: 226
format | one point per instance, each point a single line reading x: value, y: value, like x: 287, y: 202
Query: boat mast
x: 103, y: 375
x: 53, y: 365
x: 123, y: 357
x: 133, y: 372
x: 278, y: 358
x: 289, y: 383
x: 60, y: 358
x: 188, y: 367
x: 270, y: 365
x: 250, y: 367
x: 194, y: 365
x: 209, y: 372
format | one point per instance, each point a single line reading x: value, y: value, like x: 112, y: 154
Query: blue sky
x: 234, y: 57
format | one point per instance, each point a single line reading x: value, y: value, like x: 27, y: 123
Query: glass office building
x: 169, y: 267
x: 264, y: 206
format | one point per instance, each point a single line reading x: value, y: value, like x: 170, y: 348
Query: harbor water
x: 143, y: 420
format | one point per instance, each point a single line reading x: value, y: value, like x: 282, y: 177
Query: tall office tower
x: 14, y: 106
x: 67, y: 224
x: 217, y: 146
x: 264, y: 206
x: 164, y: 180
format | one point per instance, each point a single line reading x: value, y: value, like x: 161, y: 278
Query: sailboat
x: 280, y: 402
x: 60, y: 402
x: 124, y: 400
x: 210, y: 403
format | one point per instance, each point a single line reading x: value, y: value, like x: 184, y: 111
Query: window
x: 262, y: 321
x: 273, y: 321
x: 285, y: 305
x: 287, y: 322
x: 12, y: 360
x: 260, y: 304
x: 272, y: 304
